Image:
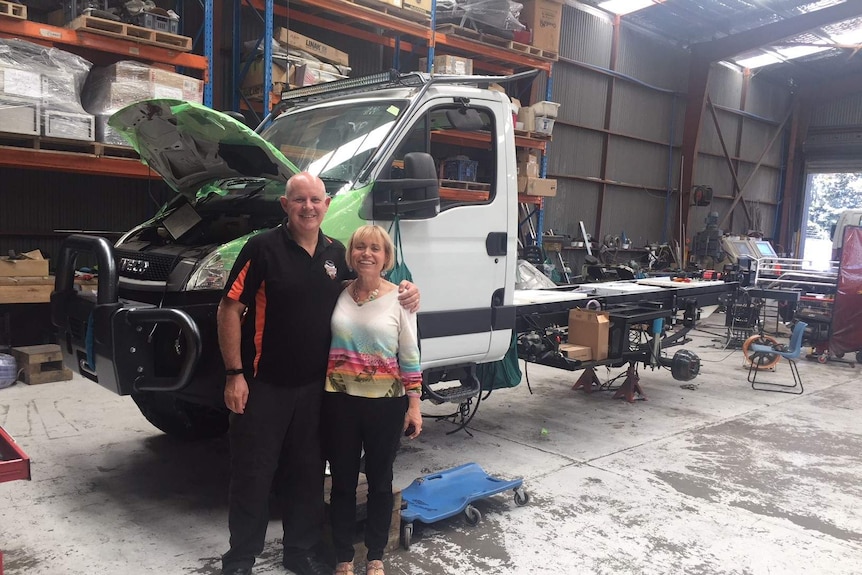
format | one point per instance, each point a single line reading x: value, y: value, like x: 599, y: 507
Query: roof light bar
x: 361, y: 84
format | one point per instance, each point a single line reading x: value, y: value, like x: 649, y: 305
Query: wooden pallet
x: 11, y: 10
x: 131, y: 32
x: 491, y: 40
x: 41, y: 364
x: 460, y: 185
x: 534, y: 135
x: 402, y: 13
x: 98, y: 149
x: 458, y: 191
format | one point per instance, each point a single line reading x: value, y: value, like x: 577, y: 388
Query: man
x: 274, y: 334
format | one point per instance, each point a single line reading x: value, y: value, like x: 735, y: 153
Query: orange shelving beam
x: 53, y: 35
x: 482, y: 139
x: 79, y: 163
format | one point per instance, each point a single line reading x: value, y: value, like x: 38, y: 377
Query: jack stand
x: 631, y: 385
x: 587, y: 380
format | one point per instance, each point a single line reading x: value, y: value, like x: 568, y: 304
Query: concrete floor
x: 718, y: 479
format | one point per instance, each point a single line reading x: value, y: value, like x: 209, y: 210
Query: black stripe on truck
x: 464, y: 322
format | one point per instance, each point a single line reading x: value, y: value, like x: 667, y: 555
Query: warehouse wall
x: 35, y: 204
x: 834, y: 139
x: 633, y: 117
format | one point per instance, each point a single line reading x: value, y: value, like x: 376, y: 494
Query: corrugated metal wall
x: 834, y: 139
x: 644, y: 133
x: 645, y: 119
x: 35, y: 203
x: 844, y: 112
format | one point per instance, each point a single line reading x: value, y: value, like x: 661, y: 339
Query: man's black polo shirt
x: 290, y: 297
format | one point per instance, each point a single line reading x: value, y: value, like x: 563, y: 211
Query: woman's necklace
x: 371, y: 295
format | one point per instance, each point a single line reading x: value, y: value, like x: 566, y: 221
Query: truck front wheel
x: 181, y: 419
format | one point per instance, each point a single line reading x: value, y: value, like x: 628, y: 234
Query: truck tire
x: 181, y: 419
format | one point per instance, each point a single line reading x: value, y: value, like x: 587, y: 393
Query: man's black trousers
x: 276, y: 439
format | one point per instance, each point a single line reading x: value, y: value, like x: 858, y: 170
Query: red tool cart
x: 14, y: 464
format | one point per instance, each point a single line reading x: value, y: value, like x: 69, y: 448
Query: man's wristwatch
x: 233, y: 371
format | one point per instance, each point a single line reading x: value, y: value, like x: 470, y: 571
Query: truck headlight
x: 211, y: 274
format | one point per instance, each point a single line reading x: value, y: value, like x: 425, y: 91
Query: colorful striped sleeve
x: 408, y: 351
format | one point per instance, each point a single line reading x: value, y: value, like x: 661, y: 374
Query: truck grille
x: 145, y: 266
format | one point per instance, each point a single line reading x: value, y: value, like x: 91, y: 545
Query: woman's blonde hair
x: 372, y: 233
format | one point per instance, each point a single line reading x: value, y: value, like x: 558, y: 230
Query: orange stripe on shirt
x: 239, y: 283
x: 259, y: 321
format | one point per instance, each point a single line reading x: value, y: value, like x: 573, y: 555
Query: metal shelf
x: 482, y: 139
x: 74, y: 162
x: 88, y: 163
x: 55, y: 36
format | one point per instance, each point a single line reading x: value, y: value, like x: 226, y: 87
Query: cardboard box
x: 396, y: 3
x: 528, y: 170
x: 151, y: 83
x: 544, y: 18
x: 590, y: 328
x: 537, y: 186
x: 23, y: 268
x: 455, y: 65
x: 579, y: 352
x: 420, y: 6
x: 527, y: 156
x: 252, y: 84
x: 309, y: 75
x: 312, y: 46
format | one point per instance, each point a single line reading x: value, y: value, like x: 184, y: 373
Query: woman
x: 374, y: 384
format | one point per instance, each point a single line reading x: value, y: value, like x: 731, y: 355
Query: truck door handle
x: 495, y: 243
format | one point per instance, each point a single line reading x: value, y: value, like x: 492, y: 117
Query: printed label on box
x: 22, y: 83
x: 169, y: 92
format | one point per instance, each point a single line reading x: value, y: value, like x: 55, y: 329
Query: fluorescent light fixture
x: 622, y: 7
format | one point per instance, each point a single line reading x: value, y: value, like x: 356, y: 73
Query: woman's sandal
x: 344, y: 568
x: 374, y: 568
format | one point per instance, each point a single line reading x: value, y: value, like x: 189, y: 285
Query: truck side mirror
x: 414, y: 197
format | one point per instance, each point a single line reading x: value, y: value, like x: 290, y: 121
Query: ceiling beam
x: 734, y: 44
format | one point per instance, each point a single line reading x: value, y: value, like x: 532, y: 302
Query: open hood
x: 190, y: 145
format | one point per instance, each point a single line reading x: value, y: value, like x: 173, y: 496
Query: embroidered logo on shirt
x: 330, y: 268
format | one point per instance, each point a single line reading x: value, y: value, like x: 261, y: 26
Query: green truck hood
x: 191, y: 146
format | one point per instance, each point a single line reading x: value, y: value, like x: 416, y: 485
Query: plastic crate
x: 157, y: 22
x: 546, y: 108
x: 544, y: 125
x: 460, y: 169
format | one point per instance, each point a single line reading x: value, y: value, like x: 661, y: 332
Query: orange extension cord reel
x: 761, y: 360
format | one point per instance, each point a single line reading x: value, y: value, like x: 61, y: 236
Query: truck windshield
x: 334, y: 142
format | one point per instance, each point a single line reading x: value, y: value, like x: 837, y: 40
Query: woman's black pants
x: 350, y: 424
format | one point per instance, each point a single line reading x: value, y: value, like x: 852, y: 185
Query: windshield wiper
x: 334, y: 180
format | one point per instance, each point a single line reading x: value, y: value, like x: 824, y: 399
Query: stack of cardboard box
x: 114, y: 87
x: 300, y: 61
